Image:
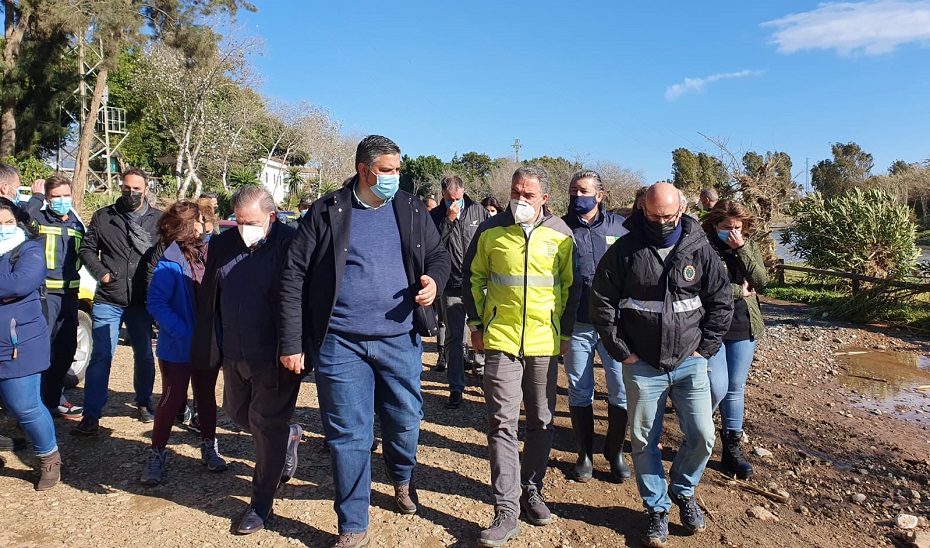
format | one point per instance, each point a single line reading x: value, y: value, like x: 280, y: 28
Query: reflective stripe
x: 50, y: 244
x: 516, y: 280
x: 642, y: 306
x: 60, y: 284
x: 686, y: 305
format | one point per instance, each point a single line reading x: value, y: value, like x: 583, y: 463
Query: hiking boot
x: 613, y: 444
x: 403, y: 499
x: 733, y: 461
x: 691, y: 515
x: 50, y: 471
x: 144, y: 414
x: 252, y: 520
x: 503, y: 528
x: 12, y: 444
x: 89, y: 426
x: 455, y: 400
x: 441, y: 361
x: 352, y: 540
x: 210, y: 456
x: 290, y: 457
x: 583, y: 429
x: 155, y: 468
x: 657, y: 534
x: 537, y: 513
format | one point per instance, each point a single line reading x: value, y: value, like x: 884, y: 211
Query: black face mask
x: 657, y: 234
x: 131, y: 200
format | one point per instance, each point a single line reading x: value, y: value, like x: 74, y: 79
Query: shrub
x: 861, y: 232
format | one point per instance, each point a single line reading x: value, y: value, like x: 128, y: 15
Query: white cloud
x: 697, y: 84
x: 874, y: 27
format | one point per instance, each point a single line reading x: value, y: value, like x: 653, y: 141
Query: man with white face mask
x: 237, y: 324
x: 521, y: 292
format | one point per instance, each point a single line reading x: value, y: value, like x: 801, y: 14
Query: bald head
x: 662, y: 200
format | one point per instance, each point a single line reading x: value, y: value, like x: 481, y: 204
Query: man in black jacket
x: 237, y: 322
x: 457, y: 218
x: 361, y: 274
x: 119, y: 240
x: 661, y: 303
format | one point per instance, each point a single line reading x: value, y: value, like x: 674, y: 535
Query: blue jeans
x: 728, y: 370
x: 647, y: 392
x: 357, y: 377
x: 579, y: 368
x: 21, y: 398
x: 105, y: 334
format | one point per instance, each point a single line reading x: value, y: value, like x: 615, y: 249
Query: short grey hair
x: 253, y: 194
x: 588, y: 174
x: 9, y: 176
x: 372, y: 147
x: 683, y: 199
x: 710, y: 194
x: 451, y: 182
x: 533, y: 171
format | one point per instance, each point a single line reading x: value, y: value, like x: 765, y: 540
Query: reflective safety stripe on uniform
x: 60, y: 284
x: 50, y: 243
x: 685, y: 305
x: 516, y: 280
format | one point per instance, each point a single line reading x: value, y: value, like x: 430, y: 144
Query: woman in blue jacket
x: 595, y: 230
x: 24, y: 340
x: 171, y: 298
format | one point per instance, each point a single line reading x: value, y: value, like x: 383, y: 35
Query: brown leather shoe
x: 50, y: 471
x: 352, y: 540
x: 402, y: 498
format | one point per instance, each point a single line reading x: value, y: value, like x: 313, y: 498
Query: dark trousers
x: 175, y: 378
x: 260, y: 398
x: 61, y: 312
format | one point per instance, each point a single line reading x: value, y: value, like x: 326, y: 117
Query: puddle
x: 893, y: 382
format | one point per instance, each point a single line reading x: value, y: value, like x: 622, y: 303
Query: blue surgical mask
x: 387, y: 186
x: 461, y: 203
x: 18, y: 198
x: 7, y: 232
x: 723, y: 235
x: 582, y: 204
x: 303, y: 213
x: 60, y: 206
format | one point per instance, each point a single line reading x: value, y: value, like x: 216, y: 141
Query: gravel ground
x: 837, y: 466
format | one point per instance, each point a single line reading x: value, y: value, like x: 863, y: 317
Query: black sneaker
x: 185, y: 415
x: 440, y: 363
x: 290, y: 457
x: 12, y: 444
x: 144, y: 414
x: 194, y: 424
x: 657, y: 534
x: 455, y: 400
x: 88, y: 426
x: 691, y: 515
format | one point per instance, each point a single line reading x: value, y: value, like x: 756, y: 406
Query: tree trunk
x: 225, y: 175
x: 79, y: 184
x: 13, y: 35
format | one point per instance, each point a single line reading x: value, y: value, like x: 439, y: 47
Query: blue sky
x: 626, y: 82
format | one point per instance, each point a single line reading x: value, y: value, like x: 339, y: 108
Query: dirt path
x: 827, y: 444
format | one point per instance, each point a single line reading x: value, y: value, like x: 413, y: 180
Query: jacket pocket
x: 556, y: 326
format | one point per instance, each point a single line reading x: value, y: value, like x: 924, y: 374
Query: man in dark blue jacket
x: 595, y: 229
x: 661, y: 303
x: 237, y: 322
x: 356, y: 294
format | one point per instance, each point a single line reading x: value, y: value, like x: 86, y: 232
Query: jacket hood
x: 691, y: 231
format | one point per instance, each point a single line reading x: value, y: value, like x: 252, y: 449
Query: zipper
x: 526, y: 267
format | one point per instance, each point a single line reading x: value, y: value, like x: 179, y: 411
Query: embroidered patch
x: 551, y: 249
x: 611, y: 240
x: 689, y: 273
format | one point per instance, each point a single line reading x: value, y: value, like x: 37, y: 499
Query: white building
x: 273, y: 176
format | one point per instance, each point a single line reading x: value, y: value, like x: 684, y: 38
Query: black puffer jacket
x: 662, y: 312
x: 457, y: 236
x: 106, y: 249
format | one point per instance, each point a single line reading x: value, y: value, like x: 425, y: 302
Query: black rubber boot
x: 733, y: 460
x: 583, y: 428
x: 613, y: 445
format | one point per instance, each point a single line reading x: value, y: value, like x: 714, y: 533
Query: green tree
x: 691, y: 172
x: 850, y: 168
x: 417, y: 174
x: 472, y: 166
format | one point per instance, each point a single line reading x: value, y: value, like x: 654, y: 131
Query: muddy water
x: 892, y: 382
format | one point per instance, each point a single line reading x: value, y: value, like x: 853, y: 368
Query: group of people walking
x: 667, y: 302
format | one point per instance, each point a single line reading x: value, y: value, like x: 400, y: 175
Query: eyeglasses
x: 662, y: 218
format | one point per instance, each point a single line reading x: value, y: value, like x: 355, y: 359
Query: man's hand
x: 631, y: 360
x: 293, y: 362
x: 454, y: 211
x: 38, y: 186
x: 105, y: 279
x: 746, y: 291
x: 563, y: 347
x: 696, y: 354
x: 427, y: 295
x: 477, y: 341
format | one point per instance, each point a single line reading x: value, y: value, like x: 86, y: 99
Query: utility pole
x: 516, y: 148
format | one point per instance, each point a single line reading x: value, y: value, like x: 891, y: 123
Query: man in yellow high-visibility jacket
x: 521, y: 292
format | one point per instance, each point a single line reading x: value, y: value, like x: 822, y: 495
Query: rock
x: 913, y: 539
x: 858, y: 498
x: 761, y: 452
x: 803, y: 510
x: 905, y: 521
x: 762, y: 514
